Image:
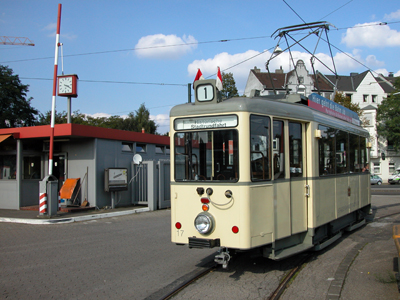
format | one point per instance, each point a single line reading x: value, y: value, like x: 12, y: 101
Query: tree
x: 229, y: 89
x: 388, y: 117
x: 15, y: 109
x: 143, y: 120
x: 131, y: 123
x: 341, y: 99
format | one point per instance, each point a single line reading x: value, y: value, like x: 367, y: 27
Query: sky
x: 126, y: 53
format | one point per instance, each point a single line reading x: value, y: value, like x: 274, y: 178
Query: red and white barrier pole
x: 42, y: 203
x: 53, y: 102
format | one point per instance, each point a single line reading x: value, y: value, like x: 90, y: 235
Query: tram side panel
x: 355, y: 193
x: 342, y: 196
x: 282, y: 209
x: 261, y: 223
x: 365, y: 190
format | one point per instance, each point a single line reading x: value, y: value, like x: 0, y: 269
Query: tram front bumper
x: 203, y: 243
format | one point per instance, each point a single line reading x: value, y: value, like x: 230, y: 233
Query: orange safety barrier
x: 396, y: 231
x: 68, y: 188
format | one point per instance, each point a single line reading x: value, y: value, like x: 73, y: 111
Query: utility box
x: 115, y: 179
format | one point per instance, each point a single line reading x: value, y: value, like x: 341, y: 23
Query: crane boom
x: 12, y: 40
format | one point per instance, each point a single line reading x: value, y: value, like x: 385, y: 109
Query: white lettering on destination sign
x: 206, y: 122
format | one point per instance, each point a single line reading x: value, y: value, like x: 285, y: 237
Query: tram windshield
x: 206, y: 155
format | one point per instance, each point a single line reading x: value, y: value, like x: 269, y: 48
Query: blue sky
x: 131, y: 52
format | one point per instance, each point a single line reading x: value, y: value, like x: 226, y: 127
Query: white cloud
x: 99, y: 115
x: 50, y: 27
x: 225, y: 60
x: 372, y: 36
x: 162, y: 46
x: 393, y: 16
x: 162, y: 121
x: 344, y: 63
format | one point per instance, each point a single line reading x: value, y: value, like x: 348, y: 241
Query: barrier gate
x: 151, y: 184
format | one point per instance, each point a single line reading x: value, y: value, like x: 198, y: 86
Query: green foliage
x: 134, y: 122
x: 229, y: 86
x: 341, y: 99
x: 388, y: 117
x: 15, y: 109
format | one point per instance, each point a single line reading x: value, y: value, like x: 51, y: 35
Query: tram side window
x: 278, y: 150
x: 326, y: 151
x: 341, y: 152
x: 363, y: 155
x: 354, y: 150
x: 295, y: 150
x: 260, y: 148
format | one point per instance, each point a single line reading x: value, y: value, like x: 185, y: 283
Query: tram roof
x: 272, y: 106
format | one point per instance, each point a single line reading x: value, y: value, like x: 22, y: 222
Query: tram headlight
x: 204, y: 223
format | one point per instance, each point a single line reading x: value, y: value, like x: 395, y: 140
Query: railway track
x: 290, y: 274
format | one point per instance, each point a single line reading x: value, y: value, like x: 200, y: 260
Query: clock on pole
x: 68, y: 85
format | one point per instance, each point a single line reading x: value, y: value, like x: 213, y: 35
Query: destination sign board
x: 206, y: 122
x: 333, y: 109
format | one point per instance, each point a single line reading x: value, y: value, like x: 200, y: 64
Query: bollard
x: 48, y: 200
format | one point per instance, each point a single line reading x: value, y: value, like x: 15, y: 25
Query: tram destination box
x: 115, y: 179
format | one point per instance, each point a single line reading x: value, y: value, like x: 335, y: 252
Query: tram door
x: 298, y: 177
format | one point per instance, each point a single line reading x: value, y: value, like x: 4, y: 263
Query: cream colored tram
x: 265, y: 172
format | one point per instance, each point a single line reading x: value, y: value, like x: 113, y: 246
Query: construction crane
x: 12, y: 40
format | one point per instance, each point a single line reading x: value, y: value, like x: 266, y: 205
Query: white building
x: 365, y: 89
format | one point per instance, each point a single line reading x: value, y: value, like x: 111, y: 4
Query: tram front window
x: 206, y: 155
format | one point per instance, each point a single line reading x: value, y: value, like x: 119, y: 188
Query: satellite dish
x: 137, y: 159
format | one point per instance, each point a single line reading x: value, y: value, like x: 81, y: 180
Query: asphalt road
x: 127, y: 257
x: 131, y: 257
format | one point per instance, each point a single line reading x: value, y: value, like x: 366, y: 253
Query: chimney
x: 353, y: 74
x: 391, y: 74
x: 279, y: 71
x: 256, y: 70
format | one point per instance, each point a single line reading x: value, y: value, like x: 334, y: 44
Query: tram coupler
x: 223, y: 257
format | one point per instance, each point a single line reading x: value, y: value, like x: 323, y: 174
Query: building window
x: 159, y: 149
x: 391, y: 168
x: 32, y: 167
x: 140, y: 147
x: 8, y: 166
x: 377, y: 168
x: 374, y: 97
x: 127, y: 147
x: 349, y: 96
x: 365, y: 98
x: 390, y: 145
x: 167, y: 150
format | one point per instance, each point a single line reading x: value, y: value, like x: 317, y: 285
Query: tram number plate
x: 179, y: 232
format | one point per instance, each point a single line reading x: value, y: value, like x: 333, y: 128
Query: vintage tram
x: 282, y: 173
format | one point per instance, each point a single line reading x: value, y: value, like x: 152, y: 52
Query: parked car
x: 375, y: 179
x: 395, y: 178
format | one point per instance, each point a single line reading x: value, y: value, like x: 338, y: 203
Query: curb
x: 74, y: 219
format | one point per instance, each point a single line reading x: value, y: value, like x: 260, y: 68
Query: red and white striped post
x: 53, y: 102
x: 42, y: 203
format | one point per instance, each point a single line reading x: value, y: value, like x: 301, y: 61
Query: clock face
x: 205, y: 92
x: 65, y: 85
